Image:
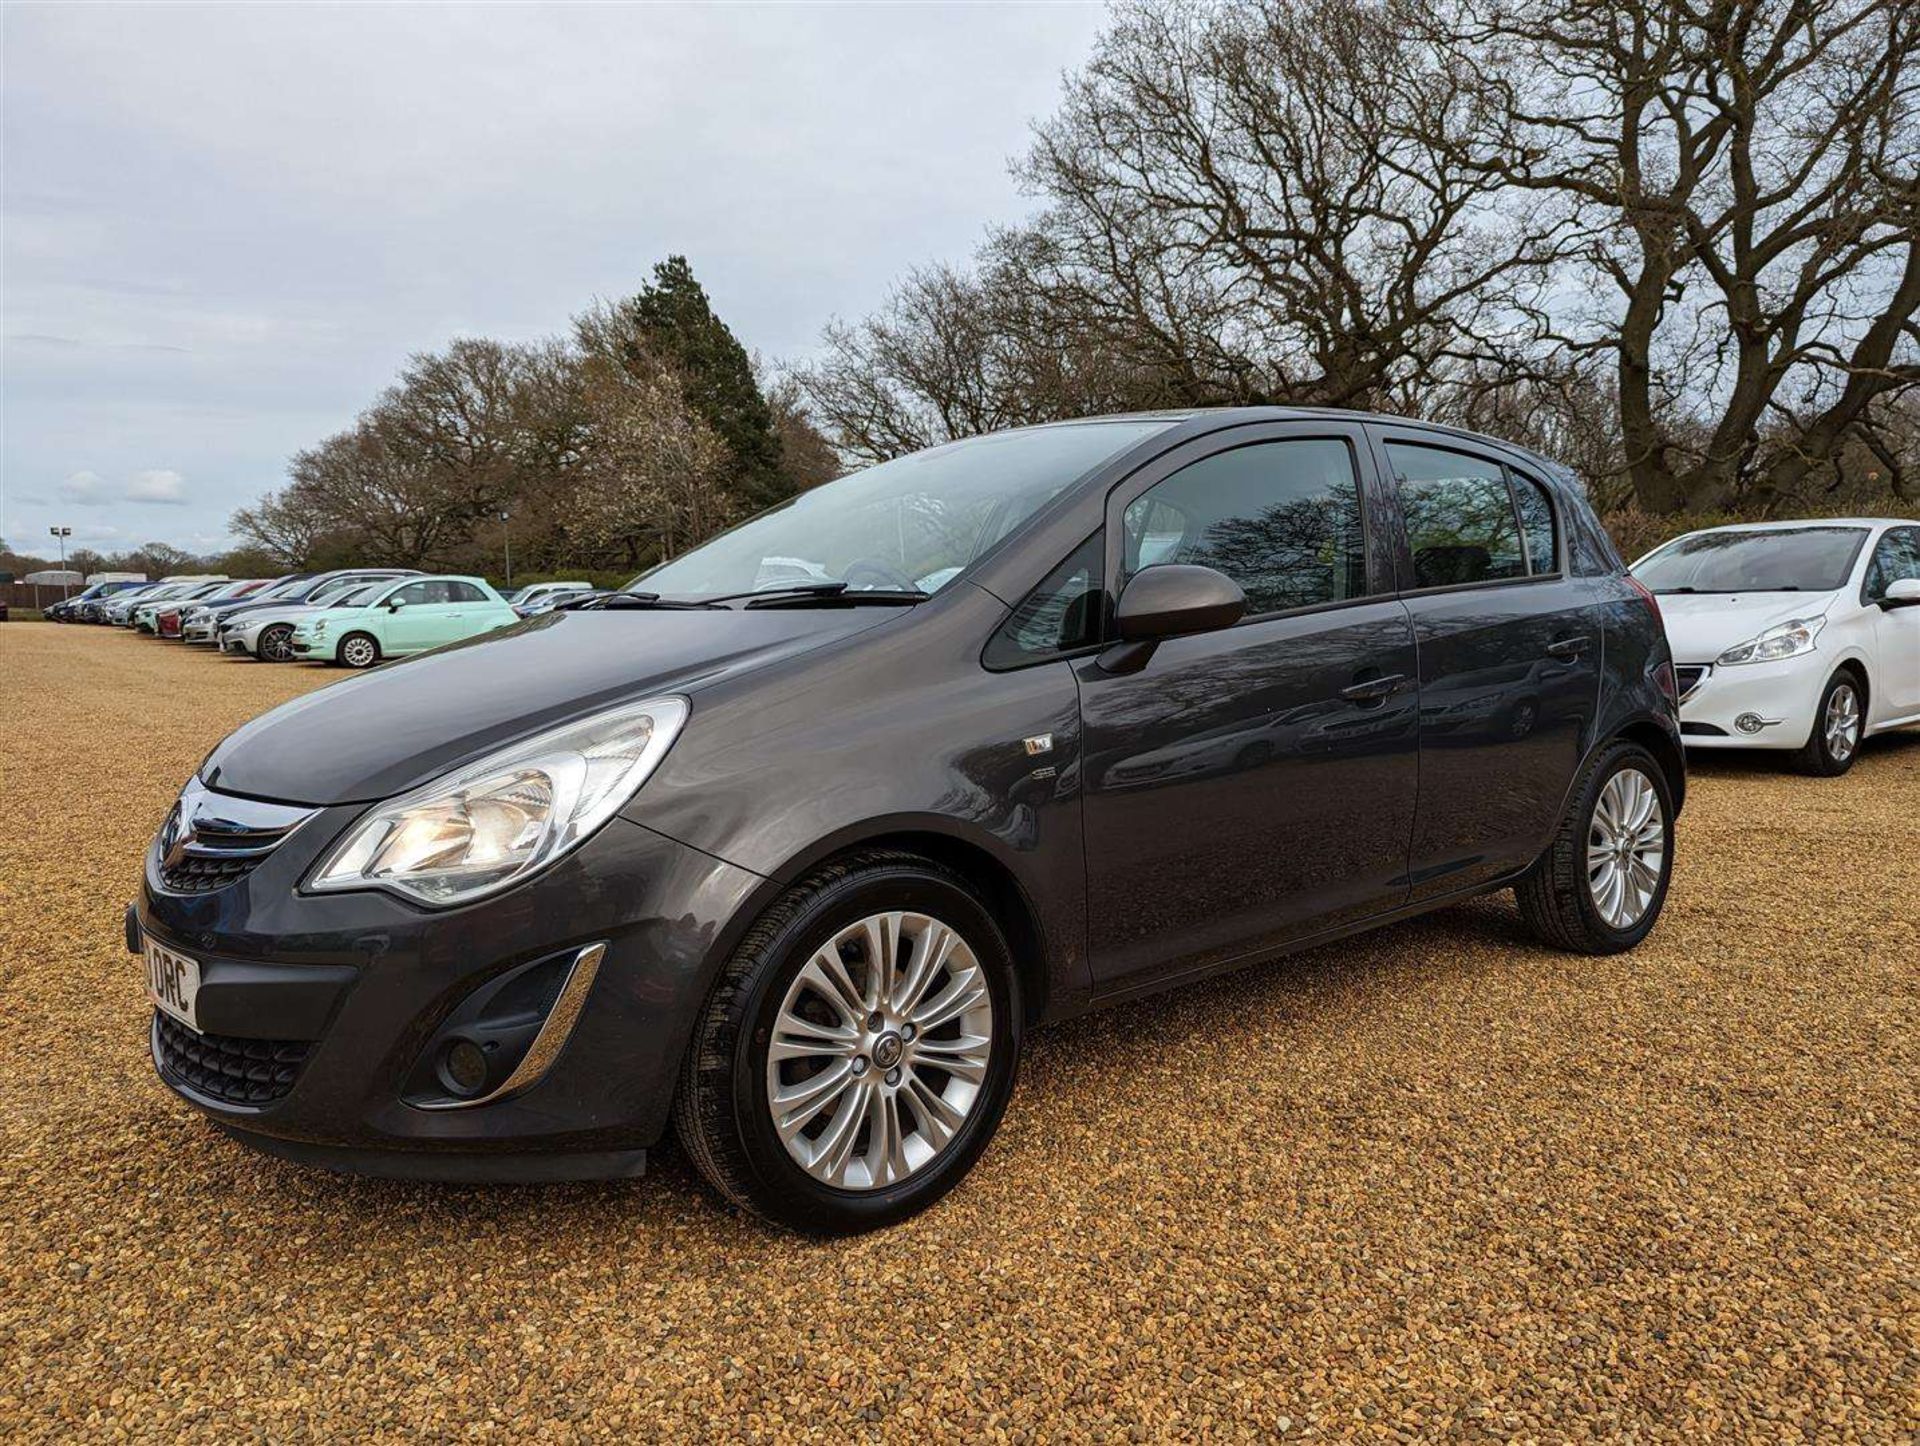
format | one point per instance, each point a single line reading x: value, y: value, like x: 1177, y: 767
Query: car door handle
x: 1373, y: 689
x: 1568, y: 647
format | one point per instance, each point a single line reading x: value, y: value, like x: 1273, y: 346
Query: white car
x: 1797, y: 636
x: 531, y: 596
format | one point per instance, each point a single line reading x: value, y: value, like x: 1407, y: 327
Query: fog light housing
x: 1749, y: 723
x: 463, y: 1068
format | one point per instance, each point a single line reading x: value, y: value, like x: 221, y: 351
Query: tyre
x: 1600, y: 885
x: 275, y: 644
x: 1837, y: 725
x: 858, y: 1050
x: 357, y: 650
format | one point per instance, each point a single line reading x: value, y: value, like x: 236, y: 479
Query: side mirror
x: 1173, y: 599
x: 395, y: 604
x: 1170, y: 600
x: 1905, y: 593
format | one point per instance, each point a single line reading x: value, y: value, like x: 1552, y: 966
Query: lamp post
x: 506, y: 534
x: 63, y: 533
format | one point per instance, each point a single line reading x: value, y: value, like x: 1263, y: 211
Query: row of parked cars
x: 354, y: 617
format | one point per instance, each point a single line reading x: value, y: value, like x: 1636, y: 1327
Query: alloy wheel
x: 356, y: 652
x: 1626, y: 848
x: 879, y: 1051
x: 276, y: 645
x: 1842, y: 722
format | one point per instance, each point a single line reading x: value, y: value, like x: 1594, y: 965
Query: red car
x: 167, y: 621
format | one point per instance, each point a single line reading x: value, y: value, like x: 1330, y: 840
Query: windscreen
x: 908, y: 525
x: 1778, y: 559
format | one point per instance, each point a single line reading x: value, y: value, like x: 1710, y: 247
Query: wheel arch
x: 1855, y: 662
x: 1006, y: 897
x: 1657, y: 741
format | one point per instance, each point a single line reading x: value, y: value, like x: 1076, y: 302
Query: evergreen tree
x: 675, y: 323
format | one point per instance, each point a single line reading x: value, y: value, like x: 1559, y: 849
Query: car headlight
x: 317, y: 627
x: 497, y: 821
x: 1783, y: 640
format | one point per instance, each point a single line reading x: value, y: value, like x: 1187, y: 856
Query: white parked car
x: 1798, y: 636
x: 528, y: 598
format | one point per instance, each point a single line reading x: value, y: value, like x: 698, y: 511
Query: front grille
x: 202, y: 873
x: 234, y: 1071
x: 1689, y: 677
x: 211, y: 840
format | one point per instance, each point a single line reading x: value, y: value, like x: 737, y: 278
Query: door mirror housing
x: 1902, y: 593
x: 395, y: 604
x: 1169, y: 600
x: 1174, y: 599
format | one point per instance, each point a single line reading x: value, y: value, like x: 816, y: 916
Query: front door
x: 1510, y: 647
x: 422, y: 621
x: 1896, y: 631
x: 1252, y: 786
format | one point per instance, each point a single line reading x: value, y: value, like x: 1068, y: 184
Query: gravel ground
x: 1436, y: 1182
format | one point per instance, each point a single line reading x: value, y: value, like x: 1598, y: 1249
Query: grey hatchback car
x: 784, y: 847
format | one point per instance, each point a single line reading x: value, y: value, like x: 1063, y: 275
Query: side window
x: 1282, y: 519
x: 1536, y: 521
x: 1461, y: 526
x: 1897, y: 557
x: 466, y: 592
x: 1059, y: 615
x: 419, y: 593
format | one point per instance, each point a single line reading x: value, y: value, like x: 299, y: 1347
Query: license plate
x: 173, y: 982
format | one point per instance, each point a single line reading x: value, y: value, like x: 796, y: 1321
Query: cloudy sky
x: 225, y: 227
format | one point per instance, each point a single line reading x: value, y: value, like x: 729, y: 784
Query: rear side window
x: 1461, y: 526
x: 1282, y: 519
x: 1059, y: 615
x: 466, y: 592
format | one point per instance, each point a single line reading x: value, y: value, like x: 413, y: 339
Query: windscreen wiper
x: 626, y: 601
x: 833, y: 593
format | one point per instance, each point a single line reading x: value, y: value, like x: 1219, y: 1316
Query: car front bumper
x: 1782, y: 696
x: 340, y: 1005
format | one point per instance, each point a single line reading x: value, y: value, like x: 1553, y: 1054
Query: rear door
x: 1510, y: 646
x: 1255, y: 785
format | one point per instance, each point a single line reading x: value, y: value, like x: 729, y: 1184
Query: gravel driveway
x: 1436, y: 1182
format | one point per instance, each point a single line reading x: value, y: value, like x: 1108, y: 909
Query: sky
x: 226, y: 227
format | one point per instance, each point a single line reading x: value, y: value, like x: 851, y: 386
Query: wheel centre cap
x: 887, y: 1050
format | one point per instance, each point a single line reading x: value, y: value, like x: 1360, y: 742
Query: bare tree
x: 1261, y: 202
x: 287, y: 525
x: 1743, y: 173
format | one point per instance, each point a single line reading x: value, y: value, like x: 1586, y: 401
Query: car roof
x: 1198, y: 421
x: 1785, y: 524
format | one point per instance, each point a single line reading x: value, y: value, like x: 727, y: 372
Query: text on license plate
x: 173, y: 981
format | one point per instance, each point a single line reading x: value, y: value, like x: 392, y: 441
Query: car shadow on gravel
x: 1304, y: 995
x: 1304, y: 990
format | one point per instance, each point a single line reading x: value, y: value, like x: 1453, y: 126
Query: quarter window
x: 1461, y: 526
x: 1897, y: 557
x: 1282, y: 519
x: 1536, y: 521
x: 1059, y: 615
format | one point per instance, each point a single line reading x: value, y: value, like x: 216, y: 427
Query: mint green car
x: 410, y: 616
